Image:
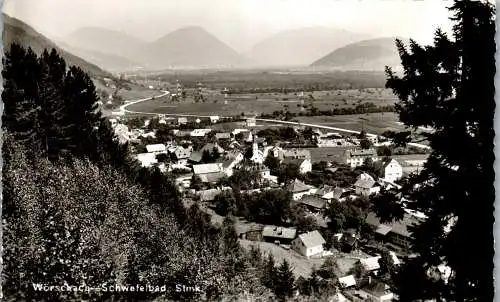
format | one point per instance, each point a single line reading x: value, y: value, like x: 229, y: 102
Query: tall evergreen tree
x: 20, y: 73
x: 53, y: 125
x: 449, y: 86
x: 284, y: 281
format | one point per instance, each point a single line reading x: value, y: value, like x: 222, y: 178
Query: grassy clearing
x: 300, y: 264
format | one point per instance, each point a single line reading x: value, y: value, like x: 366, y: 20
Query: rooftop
x: 312, y: 239
x: 279, y: 232
x: 314, y: 202
x: 365, y: 181
x: 297, y: 186
x: 398, y: 227
x: 156, y: 148
x: 362, y: 152
x: 207, y: 168
x: 370, y: 264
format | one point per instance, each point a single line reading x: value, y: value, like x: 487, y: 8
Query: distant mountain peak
x: 369, y: 54
x: 16, y: 31
x: 300, y: 46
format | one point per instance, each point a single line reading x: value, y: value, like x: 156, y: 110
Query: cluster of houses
x: 183, y: 156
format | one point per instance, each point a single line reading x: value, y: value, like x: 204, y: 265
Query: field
x: 301, y: 265
x: 240, y: 81
x: 375, y: 123
x: 258, y: 103
x: 135, y: 92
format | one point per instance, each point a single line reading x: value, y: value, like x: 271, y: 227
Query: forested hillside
x: 78, y: 211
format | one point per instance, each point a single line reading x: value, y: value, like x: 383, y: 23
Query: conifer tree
x: 20, y: 73
x: 449, y: 86
x: 284, y: 281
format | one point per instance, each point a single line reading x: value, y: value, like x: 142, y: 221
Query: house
x: 296, y: 153
x: 147, y: 159
x: 365, y: 185
x: 278, y: 234
x: 392, y: 170
x: 376, y: 291
x: 357, y: 157
x: 313, y: 203
x: 309, y: 244
x: 370, y: 264
x: 209, y: 172
x: 304, y: 164
x: 210, y: 194
x: 251, y: 232
x: 223, y: 136
x: 298, y: 189
x: 181, y: 155
x: 396, y: 232
x: 251, y: 122
x: 182, y: 120
x: 329, y: 192
x: 214, y: 118
x: 156, y: 148
x: 230, y: 161
x: 347, y: 281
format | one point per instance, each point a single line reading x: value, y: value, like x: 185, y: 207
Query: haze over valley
x: 252, y: 35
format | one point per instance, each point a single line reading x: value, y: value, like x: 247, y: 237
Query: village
x: 314, y: 214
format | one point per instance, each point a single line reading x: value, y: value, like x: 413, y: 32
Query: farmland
x: 375, y: 123
x: 258, y: 103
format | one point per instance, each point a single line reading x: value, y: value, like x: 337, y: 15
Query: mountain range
x: 16, y: 31
x: 372, y: 54
x: 97, y: 49
x: 300, y: 46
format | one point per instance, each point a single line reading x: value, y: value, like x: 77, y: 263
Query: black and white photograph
x: 248, y: 150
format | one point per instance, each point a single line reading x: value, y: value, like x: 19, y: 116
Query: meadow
x: 257, y: 103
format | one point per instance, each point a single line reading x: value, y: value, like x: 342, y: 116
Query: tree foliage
x: 449, y: 86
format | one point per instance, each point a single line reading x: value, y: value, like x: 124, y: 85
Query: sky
x: 239, y: 23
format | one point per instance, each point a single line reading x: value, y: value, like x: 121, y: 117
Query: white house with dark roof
x: 304, y: 164
x: 230, y: 161
x: 357, y: 157
x: 309, y: 244
x: 365, y: 185
x: 298, y: 189
x: 392, y: 170
x: 182, y: 155
x: 214, y: 118
x: 295, y: 153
